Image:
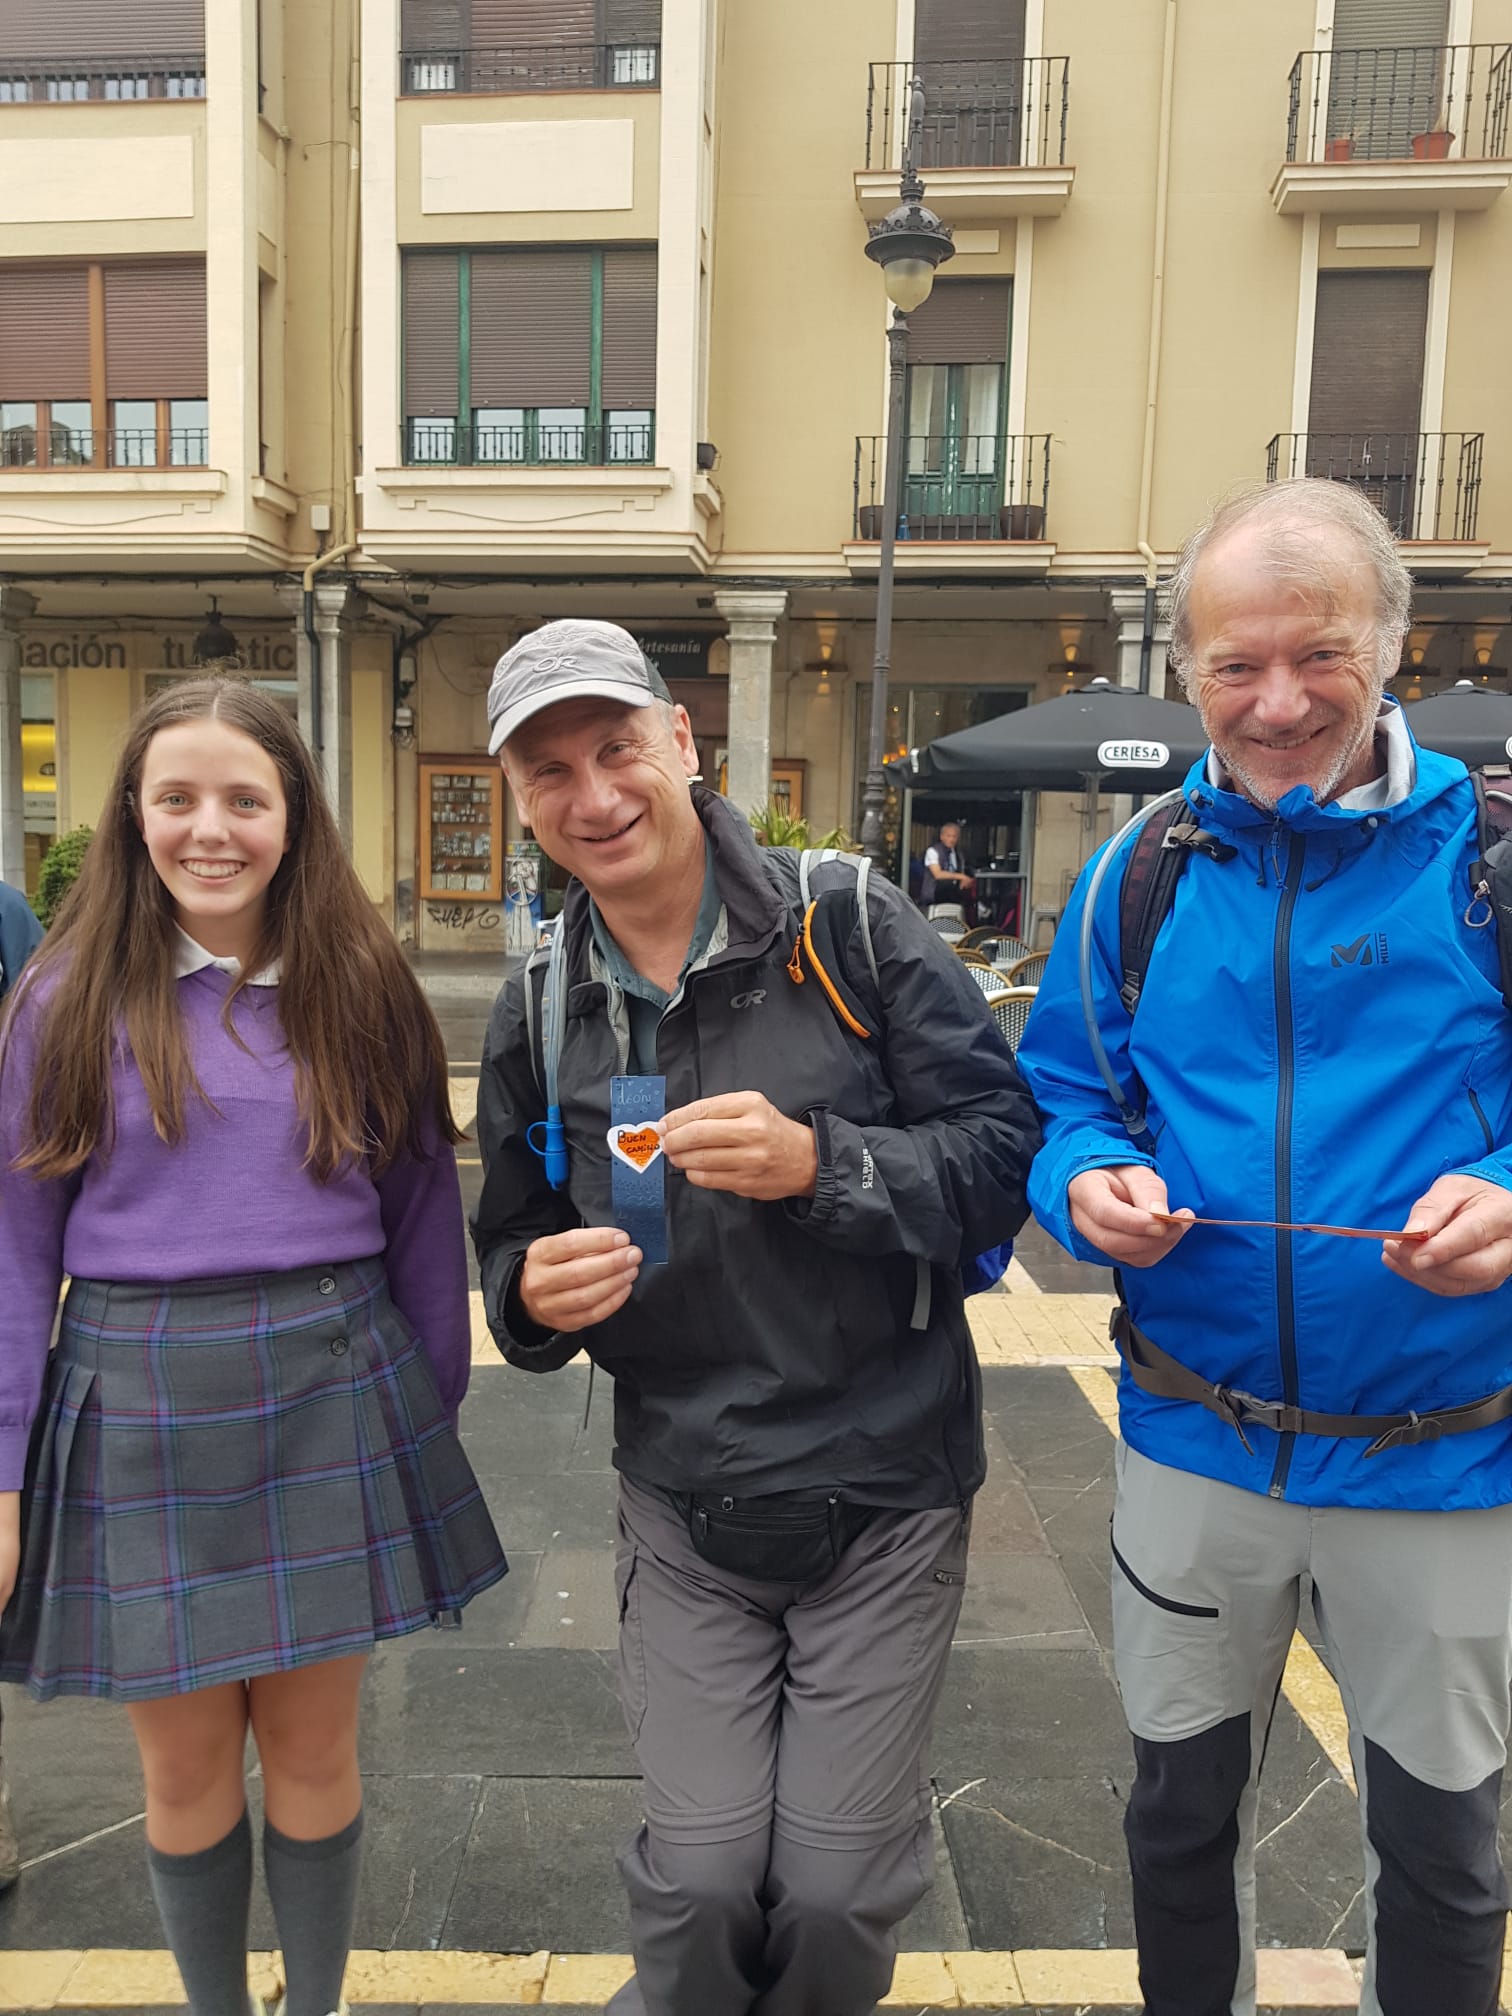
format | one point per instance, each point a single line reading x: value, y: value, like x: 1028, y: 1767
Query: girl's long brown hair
x: 369, y: 1065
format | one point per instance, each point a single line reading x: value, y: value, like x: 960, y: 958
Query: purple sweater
x: 231, y: 1199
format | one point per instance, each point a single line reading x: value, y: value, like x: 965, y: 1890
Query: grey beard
x: 1323, y: 790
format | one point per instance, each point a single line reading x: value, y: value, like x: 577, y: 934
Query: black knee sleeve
x: 1441, y: 1897
x: 1182, y: 1827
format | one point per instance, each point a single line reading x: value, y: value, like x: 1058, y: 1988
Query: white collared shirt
x: 189, y: 956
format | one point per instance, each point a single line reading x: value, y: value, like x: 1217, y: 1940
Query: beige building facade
x: 388, y: 329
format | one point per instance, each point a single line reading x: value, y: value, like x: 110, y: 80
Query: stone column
x: 15, y: 607
x: 1127, y: 606
x: 333, y: 630
x: 752, y: 615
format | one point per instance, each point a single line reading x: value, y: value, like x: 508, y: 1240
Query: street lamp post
x: 908, y: 244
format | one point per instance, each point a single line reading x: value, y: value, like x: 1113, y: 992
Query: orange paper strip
x: 1272, y: 1225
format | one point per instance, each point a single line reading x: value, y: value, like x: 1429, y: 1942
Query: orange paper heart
x: 639, y: 1146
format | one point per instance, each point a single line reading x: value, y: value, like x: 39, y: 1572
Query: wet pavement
x: 499, y: 1780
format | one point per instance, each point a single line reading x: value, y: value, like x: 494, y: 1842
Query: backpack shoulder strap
x: 1166, y: 842
x: 863, y: 918
x: 860, y: 864
x: 534, y: 1035
x: 810, y: 859
x: 1145, y: 895
x: 1491, y: 871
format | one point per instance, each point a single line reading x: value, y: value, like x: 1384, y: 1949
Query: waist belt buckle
x: 1243, y: 1408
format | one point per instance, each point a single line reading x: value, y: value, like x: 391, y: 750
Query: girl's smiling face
x: 215, y: 820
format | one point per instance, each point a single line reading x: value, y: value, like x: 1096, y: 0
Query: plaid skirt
x: 234, y: 1477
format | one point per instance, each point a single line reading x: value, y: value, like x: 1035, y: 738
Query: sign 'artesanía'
x: 1133, y: 755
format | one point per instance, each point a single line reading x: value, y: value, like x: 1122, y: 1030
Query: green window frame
x: 528, y: 436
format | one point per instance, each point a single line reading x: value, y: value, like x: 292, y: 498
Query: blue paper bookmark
x: 635, y: 1156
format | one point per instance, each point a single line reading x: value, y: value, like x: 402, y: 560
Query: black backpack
x: 1170, y: 837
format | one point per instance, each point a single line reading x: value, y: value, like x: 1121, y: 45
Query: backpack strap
x: 863, y: 918
x: 1166, y: 842
x: 533, y: 1036
x: 1491, y: 871
x: 544, y: 1036
x: 810, y: 859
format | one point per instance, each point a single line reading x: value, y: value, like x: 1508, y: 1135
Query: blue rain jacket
x: 1321, y: 1035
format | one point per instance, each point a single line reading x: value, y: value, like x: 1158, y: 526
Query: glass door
x: 953, y: 477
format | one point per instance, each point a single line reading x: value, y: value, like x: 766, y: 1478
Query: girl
x: 223, y: 1114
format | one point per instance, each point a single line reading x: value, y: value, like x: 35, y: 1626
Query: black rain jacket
x: 775, y: 1351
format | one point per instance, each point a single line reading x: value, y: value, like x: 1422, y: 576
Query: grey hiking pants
x: 1415, y: 1612
x: 783, y: 1735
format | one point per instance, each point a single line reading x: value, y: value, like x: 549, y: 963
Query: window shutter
x: 629, y: 354
x: 435, y: 24
x: 155, y: 342
x: 519, y: 24
x: 632, y: 21
x: 42, y: 30
x: 431, y: 336
x: 962, y: 322
x: 1386, y: 77
x: 968, y: 31
x: 532, y: 327
x: 44, y: 333
x: 1389, y: 24
x: 1368, y: 338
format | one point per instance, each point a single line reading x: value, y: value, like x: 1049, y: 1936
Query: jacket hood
x: 1299, y: 809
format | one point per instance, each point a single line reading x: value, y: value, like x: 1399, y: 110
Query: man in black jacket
x: 797, y: 1401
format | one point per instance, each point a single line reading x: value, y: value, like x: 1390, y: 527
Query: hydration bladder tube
x: 1134, y: 1122
x: 553, y: 1020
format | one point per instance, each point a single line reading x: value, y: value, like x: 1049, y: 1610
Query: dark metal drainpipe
x: 1147, y: 640
x: 317, y: 681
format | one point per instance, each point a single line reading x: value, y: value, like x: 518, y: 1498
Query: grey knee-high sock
x: 313, y: 1885
x: 203, y: 1901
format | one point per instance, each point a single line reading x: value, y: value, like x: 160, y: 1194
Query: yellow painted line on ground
x: 1028, y: 1328
x: 464, y: 1100
x: 1080, y: 1977
x: 1307, y: 1682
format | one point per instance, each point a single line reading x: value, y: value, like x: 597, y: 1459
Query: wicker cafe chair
x: 969, y: 956
x: 1010, y: 1005
x: 1010, y: 1010
x: 1024, y: 972
x: 1002, y: 951
x: 979, y: 937
x: 949, y: 919
x: 985, y: 974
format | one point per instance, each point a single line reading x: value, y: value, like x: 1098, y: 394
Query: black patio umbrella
x: 1110, y: 737
x: 1467, y: 721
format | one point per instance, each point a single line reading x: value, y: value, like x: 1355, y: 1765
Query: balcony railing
x: 108, y: 79
x: 958, y: 486
x: 976, y: 115
x: 73, y: 448
x: 555, y: 66
x: 1423, y: 103
x: 1426, y: 486
x: 536, y: 444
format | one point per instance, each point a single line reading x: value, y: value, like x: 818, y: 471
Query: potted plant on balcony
x: 1433, y: 145
x: 1340, y: 148
x: 1021, y: 521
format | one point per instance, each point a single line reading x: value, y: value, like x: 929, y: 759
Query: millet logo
x: 1370, y: 949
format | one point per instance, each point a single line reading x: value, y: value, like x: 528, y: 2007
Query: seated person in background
x: 945, y: 876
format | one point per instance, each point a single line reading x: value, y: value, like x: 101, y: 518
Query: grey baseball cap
x: 575, y: 659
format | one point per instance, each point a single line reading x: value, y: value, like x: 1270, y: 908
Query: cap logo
x: 561, y: 661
